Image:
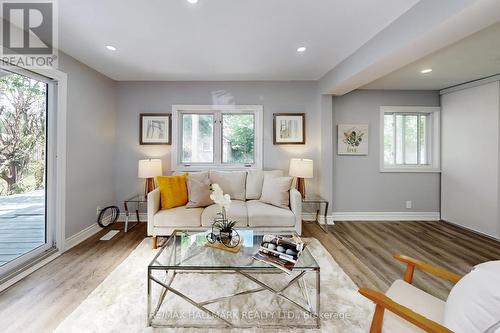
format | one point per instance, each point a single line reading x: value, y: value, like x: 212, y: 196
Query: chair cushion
x: 255, y: 179
x: 237, y: 212
x: 173, y: 191
x: 415, y: 299
x: 178, y: 217
x: 231, y: 182
x: 474, y: 302
x: 261, y: 214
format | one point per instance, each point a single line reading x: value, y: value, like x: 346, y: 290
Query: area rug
x: 118, y: 304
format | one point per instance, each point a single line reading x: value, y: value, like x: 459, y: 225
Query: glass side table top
x: 137, y: 198
x: 186, y: 250
x: 314, y: 198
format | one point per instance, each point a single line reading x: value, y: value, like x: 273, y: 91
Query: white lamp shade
x: 301, y: 167
x: 149, y: 168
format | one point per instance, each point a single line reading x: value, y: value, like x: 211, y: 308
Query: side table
x: 319, y: 202
x: 136, y: 201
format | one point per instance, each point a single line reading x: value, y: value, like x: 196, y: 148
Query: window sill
x: 205, y: 167
x: 410, y: 170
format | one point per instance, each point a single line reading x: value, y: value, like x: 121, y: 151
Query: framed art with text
x: 352, y: 139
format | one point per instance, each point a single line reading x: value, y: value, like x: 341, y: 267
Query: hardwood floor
x: 364, y: 250
x: 39, y: 302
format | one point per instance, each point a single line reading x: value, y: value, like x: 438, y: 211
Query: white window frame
x: 217, y: 110
x: 435, y: 145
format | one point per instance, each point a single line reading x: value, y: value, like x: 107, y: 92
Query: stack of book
x: 280, y: 252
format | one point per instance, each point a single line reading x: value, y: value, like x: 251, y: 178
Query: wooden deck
x: 22, y: 224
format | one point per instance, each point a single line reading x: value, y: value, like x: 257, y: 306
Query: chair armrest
x: 153, y: 208
x: 296, y: 204
x: 385, y: 303
x: 412, y: 263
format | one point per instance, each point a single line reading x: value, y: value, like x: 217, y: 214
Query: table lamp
x: 148, y: 169
x: 301, y: 168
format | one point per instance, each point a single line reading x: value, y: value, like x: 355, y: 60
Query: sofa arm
x: 153, y: 208
x: 296, y: 208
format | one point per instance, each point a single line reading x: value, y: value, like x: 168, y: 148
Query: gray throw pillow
x: 198, y: 192
x: 276, y: 191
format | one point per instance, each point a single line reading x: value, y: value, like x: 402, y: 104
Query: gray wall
x: 134, y: 98
x: 470, y: 181
x: 90, y: 143
x: 358, y: 186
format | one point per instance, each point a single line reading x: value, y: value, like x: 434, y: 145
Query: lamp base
x: 301, y: 186
x: 149, y: 186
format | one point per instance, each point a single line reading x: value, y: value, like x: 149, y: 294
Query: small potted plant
x: 225, y: 228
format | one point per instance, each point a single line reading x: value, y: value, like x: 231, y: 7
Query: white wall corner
x: 81, y: 236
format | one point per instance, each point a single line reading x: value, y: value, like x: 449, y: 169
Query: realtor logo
x: 29, y: 33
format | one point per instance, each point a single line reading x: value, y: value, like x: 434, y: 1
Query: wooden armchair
x: 401, y: 291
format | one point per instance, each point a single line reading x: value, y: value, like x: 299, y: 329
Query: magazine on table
x: 280, y: 252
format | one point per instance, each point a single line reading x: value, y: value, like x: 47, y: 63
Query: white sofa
x: 245, y: 188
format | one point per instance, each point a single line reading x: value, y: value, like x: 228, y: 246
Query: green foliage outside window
x: 22, y: 134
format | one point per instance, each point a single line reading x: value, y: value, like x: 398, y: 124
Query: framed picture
x: 289, y: 128
x: 352, y: 139
x: 155, y: 129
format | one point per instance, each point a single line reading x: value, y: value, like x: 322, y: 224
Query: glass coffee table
x: 183, y: 271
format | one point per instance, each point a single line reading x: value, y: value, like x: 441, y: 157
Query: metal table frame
x: 166, y: 286
x: 137, y: 199
x: 319, y: 200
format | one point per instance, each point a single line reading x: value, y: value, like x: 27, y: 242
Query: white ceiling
x: 471, y: 58
x: 220, y: 39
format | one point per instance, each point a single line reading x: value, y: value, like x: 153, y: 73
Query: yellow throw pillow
x: 173, y: 190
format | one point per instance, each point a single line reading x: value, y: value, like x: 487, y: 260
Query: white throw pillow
x: 473, y: 305
x: 255, y: 180
x: 276, y: 191
x: 198, y: 192
x: 231, y: 182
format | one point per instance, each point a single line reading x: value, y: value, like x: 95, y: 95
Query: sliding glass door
x: 24, y: 231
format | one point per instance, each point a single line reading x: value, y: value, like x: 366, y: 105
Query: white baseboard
x: 386, y: 216
x: 133, y: 218
x: 321, y: 218
x: 81, y: 236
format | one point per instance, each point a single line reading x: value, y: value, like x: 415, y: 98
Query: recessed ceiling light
x: 425, y: 71
x: 192, y: 1
x: 111, y: 47
x: 301, y: 49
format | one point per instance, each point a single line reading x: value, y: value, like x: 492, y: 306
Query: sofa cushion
x: 415, y: 299
x: 198, y: 192
x: 231, y: 182
x: 237, y: 212
x: 198, y: 175
x: 474, y: 302
x: 255, y: 179
x: 276, y: 191
x: 173, y: 190
x: 178, y: 217
x: 261, y: 214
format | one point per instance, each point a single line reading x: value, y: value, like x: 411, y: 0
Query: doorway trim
x: 56, y: 165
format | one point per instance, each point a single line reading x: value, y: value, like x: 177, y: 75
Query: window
x: 410, y: 139
x: 32, y: 119
x: 223, y: 136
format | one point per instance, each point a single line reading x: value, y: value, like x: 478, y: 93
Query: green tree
x: 238, y: 129
x: 22, y: 131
